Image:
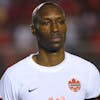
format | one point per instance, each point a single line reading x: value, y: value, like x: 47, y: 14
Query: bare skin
x: 50, y: 33
x: 50, y: 30
x: 49, y: 60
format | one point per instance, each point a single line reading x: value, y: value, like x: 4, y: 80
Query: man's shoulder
x: 19, y: 67
x: 77, y: 63
x: 22, y: 62
x: 75, y: 59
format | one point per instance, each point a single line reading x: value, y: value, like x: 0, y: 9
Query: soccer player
x: 51, y: 73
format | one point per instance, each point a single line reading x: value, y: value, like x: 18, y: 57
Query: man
x: 51, y: 73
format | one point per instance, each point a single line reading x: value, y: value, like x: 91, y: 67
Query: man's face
x: 51, y: 29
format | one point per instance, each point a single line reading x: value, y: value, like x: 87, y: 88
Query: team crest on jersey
x: 74, y: 85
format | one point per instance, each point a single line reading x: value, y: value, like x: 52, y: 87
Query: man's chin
x: 54, y: 49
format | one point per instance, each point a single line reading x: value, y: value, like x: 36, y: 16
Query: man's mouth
x: 56, y: 38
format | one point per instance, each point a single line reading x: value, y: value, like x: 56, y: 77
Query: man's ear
x: 32, y: 28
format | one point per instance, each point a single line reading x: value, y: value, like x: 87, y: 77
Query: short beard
x: 51, y: 49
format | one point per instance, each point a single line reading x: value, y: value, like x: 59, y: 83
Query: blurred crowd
x: 17, y: 41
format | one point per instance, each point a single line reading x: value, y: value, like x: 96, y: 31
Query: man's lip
x: 56, y: 39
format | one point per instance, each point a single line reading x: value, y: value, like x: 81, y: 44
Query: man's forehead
x: 51, y: 15
x: 47, y: 9
x: 50, y: 11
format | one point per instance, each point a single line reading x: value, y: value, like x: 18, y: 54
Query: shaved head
x: 36, y: 12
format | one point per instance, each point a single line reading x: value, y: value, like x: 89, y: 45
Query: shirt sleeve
x: 97, y: 98
x: 0, y: 94
x: 93, y: 85
x: 7, y: 91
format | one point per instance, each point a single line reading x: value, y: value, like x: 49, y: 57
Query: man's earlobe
x: 32, y: 28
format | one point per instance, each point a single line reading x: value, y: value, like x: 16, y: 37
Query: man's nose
x: 54, y: 27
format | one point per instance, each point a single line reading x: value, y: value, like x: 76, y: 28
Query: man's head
x: 49, y: 26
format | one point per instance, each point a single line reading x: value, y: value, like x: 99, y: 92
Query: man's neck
x: 49, y: 59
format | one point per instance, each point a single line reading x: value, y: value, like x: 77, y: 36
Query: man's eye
x: 61, y: 21
x: 45, y: 23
